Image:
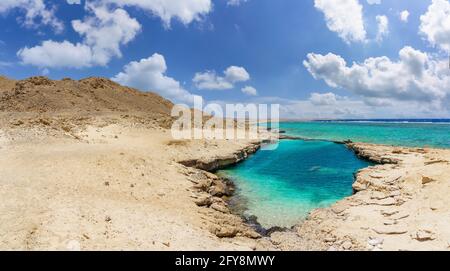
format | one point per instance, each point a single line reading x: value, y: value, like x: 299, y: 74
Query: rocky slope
x: 57, y: 103
x: 90, y: 95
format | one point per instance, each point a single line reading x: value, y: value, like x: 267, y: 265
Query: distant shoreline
x: 393, y: 120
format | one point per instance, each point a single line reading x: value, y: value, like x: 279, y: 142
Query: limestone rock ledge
x: 401, y: 203
x: 212, y: 164
x: 211, y: 192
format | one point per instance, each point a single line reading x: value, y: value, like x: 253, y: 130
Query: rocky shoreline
x: 213, y: 192
x: 400, y: 203
x: 213, y: 164
x: 388, y: 210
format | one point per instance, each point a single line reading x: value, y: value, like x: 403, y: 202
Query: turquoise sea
x: 280, y: 187
x: 400, y: 133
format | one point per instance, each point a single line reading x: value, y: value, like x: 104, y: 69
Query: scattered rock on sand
x: 399, y: 215
x: 203, y: 185
x: 225, y: 231
x: 252, y: 234
x: 390, y: 222
x: 219, y: 189
x: 426, y: 180
x: 423, y: 235
x: 389, y: 212
x: 390, y: 230
x: 220, y: 207
x: 375, y: 241
x: 203, y: 200
x: 395, y: 193
x: 211, y: 175
x: 339, y: 207
x: 378, y: 195
x: 332, y: 248
x: 383, y: 202
x: 347, y: 245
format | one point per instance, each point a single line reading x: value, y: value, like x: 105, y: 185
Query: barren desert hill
x: 37, y: 99
x: 40, y: 95
x: 6, y: 83
x: 61, y: 104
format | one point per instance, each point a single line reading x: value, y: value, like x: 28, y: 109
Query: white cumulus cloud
x: 235, y: 2
x: 383, y: 27
x: 404, y: 16
x: 323, y: 98
x: 416, y: 76
x: 74, y: 2
x: 36, y: 13
x: 435, y: 24
x: 235, y: 74
x: 185, y: 11
x: 150, y: 75
x: 104, y: 31
x: 210, y: 80
x: 248, y: 90
x: 345, y: 17
x: 57, y: 55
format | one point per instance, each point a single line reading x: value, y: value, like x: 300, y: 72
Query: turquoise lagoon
x: 280, y: 187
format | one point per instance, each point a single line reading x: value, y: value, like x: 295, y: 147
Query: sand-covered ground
x: 114, y: 187
x: 91, y: 165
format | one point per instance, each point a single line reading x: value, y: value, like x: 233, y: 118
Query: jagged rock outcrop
x: 372, y: 154
x: 216, y: 163
x: 211, y: 194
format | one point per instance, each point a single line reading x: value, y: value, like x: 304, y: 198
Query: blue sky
x: 245, y: 51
